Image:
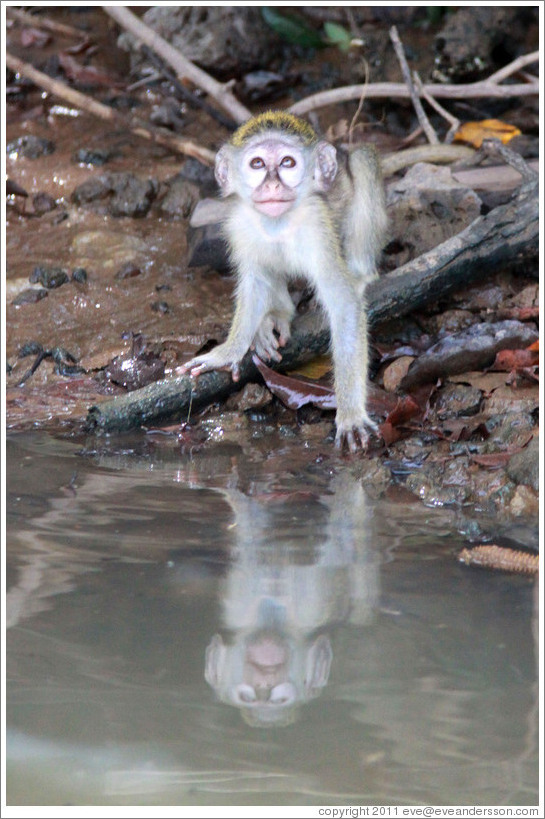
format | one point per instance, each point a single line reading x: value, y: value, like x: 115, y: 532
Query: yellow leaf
x: 475, y: 132
x: 316, y: 368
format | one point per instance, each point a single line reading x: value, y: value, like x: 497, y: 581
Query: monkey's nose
x: 263, y: 693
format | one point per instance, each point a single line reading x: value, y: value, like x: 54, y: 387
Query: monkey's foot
x: 273, y: 333
x: 355, y: 436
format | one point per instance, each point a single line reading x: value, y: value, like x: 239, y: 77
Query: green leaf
x: 292, y: 30
x: 337, y: 35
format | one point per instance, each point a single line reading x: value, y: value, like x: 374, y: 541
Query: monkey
x: 298, y: 208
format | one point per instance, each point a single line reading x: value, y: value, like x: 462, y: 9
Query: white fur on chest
x: 284, y: 246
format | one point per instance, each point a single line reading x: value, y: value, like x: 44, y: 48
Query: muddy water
x: 215, y: 629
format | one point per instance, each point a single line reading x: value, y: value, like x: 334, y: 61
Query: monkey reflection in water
x: 281, y: 600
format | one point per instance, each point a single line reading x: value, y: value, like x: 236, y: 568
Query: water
x: 239, y: 627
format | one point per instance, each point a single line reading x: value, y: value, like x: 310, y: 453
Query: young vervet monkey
x: 297, y: 208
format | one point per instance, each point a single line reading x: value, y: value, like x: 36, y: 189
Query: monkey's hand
x: 354, y: 434
x: 273, y: 332
x: 222, y: 357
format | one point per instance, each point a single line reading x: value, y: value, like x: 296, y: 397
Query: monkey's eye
x: 287, y: 162
x: 256, y: 163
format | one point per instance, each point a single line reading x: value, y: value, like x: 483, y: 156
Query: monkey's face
x: 272, y: 170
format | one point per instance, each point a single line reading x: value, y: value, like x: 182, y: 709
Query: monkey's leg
x: 348, y: 326
x: 253, y: 299
x: 274, y: 330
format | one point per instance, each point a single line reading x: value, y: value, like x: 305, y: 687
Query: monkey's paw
x: 355, y: 435
x: 216, y: 359
x: 273, y: 333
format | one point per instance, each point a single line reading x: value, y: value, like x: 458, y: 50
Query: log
x: 507, y: 235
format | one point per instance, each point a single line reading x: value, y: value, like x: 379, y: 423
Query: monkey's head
x: 273, y: 160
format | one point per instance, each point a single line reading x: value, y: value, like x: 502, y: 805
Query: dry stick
x: 513, y: 67
x: 385, y: 90
x: 43, y: 22
x: 417, y: 105
x: 183, y: 67
x: 86, y: 103
x: 502, y: 236
x: 184, y: 93
x: 454, y: 121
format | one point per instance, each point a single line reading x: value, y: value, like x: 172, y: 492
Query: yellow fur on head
x: 274, y: 121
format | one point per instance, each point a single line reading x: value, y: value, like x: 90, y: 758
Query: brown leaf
x: 495, y: 460
x: 296, y: 392
x: 509, y: 360
x: 86, y: 75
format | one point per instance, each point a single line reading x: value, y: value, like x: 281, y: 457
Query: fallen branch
x: 507, y: 234
x: 389, y: 90
x: 97, y: 109
x: 44, y: 23
x: 184, y: 68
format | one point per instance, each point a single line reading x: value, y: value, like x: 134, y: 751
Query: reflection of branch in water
x: 280, y: 601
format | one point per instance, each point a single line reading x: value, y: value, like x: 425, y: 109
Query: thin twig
x: 454, y: 121
x: 513, y: 67
x: 43, y: 22
x: 495, y: 148
x: 86, y: 103
x: 183, y: 67
x: 360, y: 104
x: 420, y: 113
x: 187, y: 95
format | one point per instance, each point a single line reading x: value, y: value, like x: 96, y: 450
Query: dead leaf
x: 395, y: 372
x: 496, y: 460
x: 296, y: 392
x: 86, y: 75
x: 475, y: 132
x: 509, y: 360
x: 316, y: 368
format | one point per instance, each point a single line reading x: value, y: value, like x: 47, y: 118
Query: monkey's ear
x: 215, y: 661
x: 326, y: 165
x: 318, y: 664
x: 222, y: 168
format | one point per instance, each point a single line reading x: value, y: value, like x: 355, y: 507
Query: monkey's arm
x: 347, y: 313
x: 252, y: 302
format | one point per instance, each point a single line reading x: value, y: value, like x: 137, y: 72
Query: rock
x: 458, y: 400
x: 181, y: 198
x: 43, y: 203
x: 428, y: 206
x: 226, y: 40
x: 127, y: 194
x: 29, y: 146
x: 524, y: 503
x: 473, y: 38
x: 88, y: 156
x: 523, y: 467
x: 29, y: 296
x: 472, y: 349
x: 49, y: 277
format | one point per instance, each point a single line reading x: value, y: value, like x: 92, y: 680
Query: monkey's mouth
x: 273, y: 207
